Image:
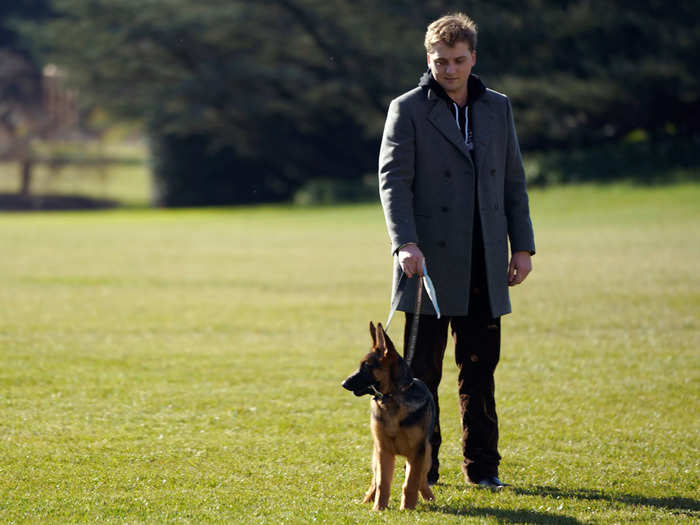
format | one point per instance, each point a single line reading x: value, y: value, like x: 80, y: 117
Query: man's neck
x: 460, y: 99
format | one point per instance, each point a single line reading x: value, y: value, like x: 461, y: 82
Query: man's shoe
x: 492, y: 482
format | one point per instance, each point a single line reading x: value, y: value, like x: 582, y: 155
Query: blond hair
x: 450, y: 29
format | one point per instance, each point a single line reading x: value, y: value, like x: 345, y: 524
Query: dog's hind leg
x: 385, y: 472
x: 369, y: 496
x: 417, y: 478
x: 409, y: 495
x: 425, y: 489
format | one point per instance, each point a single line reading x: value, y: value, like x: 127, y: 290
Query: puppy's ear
x: 387, y: 347
x: 380, y: 345
x: 373, y: 333
x: 390, y: 348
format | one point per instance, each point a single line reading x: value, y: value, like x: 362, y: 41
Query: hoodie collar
x: 475, y: 87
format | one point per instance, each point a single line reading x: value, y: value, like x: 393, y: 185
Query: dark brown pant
x: 477, y: 349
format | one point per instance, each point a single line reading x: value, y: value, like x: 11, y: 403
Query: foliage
x: 35, y: 104
x: 15, y: 10
x: 20, y: 79
x: 284, y: 90
x: 185, y: 366
x: 668, y: 161
x: 278, y: 107
x: 586, y: 72
x: 333, y: 191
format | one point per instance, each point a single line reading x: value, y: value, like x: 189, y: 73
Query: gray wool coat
x: 427, y: 184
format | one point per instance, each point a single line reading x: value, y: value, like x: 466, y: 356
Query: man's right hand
x: 411, y: 260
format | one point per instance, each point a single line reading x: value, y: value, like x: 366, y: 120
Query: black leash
x: 411, y: 348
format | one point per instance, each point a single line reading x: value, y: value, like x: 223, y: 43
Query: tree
x: 585, y: 72
x: 263, y: 95
x: 278, y: 88
x: 25, y: 114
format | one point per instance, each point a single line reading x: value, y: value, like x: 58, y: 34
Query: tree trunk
x: 25, y: 176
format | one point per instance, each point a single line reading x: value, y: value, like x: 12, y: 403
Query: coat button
x: 445, y: 209
x: 493, y: 172
x: 448, y: 174
x: 442, y: 244
x: 495, y: 206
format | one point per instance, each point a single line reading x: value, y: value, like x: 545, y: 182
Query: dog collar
x: 378, y: 396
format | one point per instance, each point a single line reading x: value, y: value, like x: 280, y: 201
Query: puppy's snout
x: 349, y: 382
x: 352, y: 383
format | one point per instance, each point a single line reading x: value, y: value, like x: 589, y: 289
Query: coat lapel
x: 441, y: 117
x: 482, y: 126
x: 483, y: 119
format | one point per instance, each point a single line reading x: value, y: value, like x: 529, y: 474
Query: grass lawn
x: 185, y: 366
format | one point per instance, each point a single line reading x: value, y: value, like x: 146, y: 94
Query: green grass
x: 185, y: 366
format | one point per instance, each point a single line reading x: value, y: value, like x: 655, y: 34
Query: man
x: 452, y: 187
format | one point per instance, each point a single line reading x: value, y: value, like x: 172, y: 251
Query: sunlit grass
x: 184, y: 366
x: 127, y: 182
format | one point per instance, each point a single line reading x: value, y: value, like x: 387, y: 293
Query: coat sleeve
x: 517, y: 208
x: 396, y: 173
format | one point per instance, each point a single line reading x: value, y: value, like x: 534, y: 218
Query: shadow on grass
x: 16, y: 202
x: 507, y: 515
x: 684, y: 505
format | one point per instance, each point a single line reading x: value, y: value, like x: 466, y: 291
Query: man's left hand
x: 518, y: 269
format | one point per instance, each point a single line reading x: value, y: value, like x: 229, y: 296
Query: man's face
x: 451, y: 66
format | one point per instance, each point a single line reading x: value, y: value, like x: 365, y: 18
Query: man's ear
x: 473, y: 58
x: 373, y: 333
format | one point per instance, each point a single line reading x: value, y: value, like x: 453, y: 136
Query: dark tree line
x: 22, y: 119
x: 244, y: 101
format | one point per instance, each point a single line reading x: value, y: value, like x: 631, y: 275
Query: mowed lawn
x: 185, y: 366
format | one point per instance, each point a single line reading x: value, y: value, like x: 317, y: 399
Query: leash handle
x: 411, y: 348
x: 400, y: 287
x: 430, y: 290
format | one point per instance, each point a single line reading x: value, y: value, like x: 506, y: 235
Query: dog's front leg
x: 369, y: 496
x: 385, y: 472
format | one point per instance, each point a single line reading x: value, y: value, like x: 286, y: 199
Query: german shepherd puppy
x: 403, y: 418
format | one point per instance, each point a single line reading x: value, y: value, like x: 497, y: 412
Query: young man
x: 452, y: 187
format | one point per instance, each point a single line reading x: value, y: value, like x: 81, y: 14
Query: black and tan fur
x: 403, y: 418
